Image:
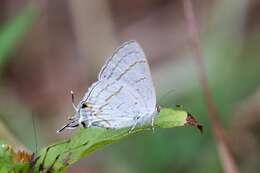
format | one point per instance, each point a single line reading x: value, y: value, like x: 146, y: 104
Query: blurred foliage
x: 12, y: 161
x: 13, y: 30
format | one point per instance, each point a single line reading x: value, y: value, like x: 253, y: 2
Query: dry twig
x: 226, y: 158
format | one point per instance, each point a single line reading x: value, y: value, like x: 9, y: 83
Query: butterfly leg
x: 71, y: 125
x: 133, y: 127
x: 89, y: 123
x: 152, y: 124
x: 85, y: 122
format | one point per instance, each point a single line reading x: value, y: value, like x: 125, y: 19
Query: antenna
x: 73, y: 100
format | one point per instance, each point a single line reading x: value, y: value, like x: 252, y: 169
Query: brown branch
x: 224, y: 153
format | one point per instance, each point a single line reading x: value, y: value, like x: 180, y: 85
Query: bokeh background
x: 48, y: 48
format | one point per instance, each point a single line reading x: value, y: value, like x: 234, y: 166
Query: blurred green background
x: 48, y: 48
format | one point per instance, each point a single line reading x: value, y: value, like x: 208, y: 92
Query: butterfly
x: 123, y: 96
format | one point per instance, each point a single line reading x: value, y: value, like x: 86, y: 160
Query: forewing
x: 129, y: 65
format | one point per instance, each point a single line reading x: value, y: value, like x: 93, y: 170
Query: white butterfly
x: 123, y: 96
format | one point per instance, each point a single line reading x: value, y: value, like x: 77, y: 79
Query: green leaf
x: 12, y: 31
x: 59, y: 156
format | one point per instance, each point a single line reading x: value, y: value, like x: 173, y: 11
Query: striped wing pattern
x: 128, y: 64
x: 123, y: 95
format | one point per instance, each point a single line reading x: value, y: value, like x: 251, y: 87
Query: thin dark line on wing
x: 113, y: 69
x: 139, y: 80
x: 119, y: 62
x: 118, y: 106
x: 113, y: 55
x: 137, y: 89
x: 101, y: 91
x: 115, y: 93
x: 104, y: 105
x: 100, y: 121
x: 129, y: 68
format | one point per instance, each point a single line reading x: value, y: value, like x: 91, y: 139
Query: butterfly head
x: 84, y: 113
x: 82, y: 110
x: 85, y: 105
x: 81, y: 117
x: 85, y: 109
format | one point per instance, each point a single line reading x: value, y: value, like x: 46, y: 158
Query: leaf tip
x: 190, y: 120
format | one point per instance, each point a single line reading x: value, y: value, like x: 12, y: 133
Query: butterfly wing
x: 129, y: 65
x: 124, y: 93
x: 113, y: 104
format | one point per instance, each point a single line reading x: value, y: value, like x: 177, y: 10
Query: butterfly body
x: 123, y: 96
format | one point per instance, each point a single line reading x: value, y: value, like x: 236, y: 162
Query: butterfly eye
x: 84, y: 105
